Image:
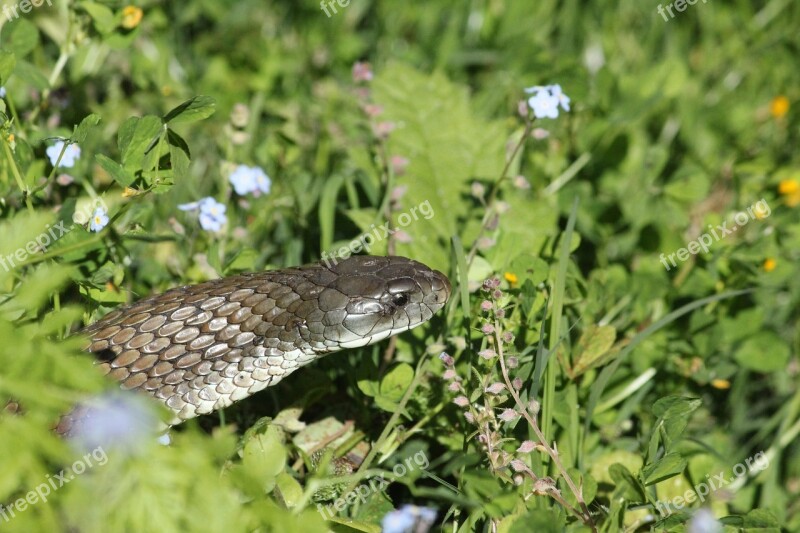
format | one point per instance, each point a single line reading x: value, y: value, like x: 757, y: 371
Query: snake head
x: 372, y: 298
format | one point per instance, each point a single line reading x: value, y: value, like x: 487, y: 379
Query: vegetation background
x: 649, y: 380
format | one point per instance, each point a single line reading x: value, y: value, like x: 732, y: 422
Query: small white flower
x: 71, y: 154
x: 99, y: 219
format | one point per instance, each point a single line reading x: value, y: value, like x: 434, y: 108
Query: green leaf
x: 763, y: 352
x: 594, y: 343
x: 193, y: 109
x: 103, y: 18
x: 136, y: 138
x: 668, y: 466
x: 82, y: 130
x: 31, y: 75
x: 264, y: 457
x: 115, y: 170
x: 21, y: 37
x: 7, y: 63
x: 626, y: 483
x: 673, y: 414
x: 395, y: 383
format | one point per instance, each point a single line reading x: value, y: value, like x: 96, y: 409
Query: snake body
x: 199, y: 348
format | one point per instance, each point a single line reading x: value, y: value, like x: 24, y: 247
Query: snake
x: 199, y: 348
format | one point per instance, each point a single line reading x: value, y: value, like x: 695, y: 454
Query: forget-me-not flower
x: 246, y: 179
x: 71, y: 154
x: 212, y: 213
x: 99, y: 219
x: 408, y: 519
x: 546, y: 99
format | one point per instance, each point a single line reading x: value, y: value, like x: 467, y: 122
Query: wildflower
x: 383, y: 129
x: 508, y: 415
x: 487, y: 354
x: 399, y: 164
x: 455, y: 386
x: 131, y: 17
x: 64, y: 179
x: 246, y: 179
x: 487, y: 329
x: 373, y: 110
x: 519, y: 465
x: 469, y: 418
x: 508, y: 337
x: 721, y: 384
x: 517, y: 383
x: 779, y: 106
x: 511, y: 278
x: 99, y: 219
x: 71, y: 153
x: 461, y: 401
x: 546, y: 99
x: 486, y: 305
x: 521, y: 183
x: 240, y: 115
x: 478, y: 190
x: 116, y: 419
x: 362, y: 71
x: 449, y: 374
x: 788, y: 186
x: 2, y: 92
x: 769, y: 264
x: 212, y: 213
x: 495, y: 388
x: 512, y: 362
x: 703, y: 521
x: 527, y: 446
x: 447, y: 359
x: 408, y: 519
x: 790, y: 189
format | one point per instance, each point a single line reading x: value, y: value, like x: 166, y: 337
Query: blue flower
x: 212, y: 213
x: 408, y: 519
x: 2, y: 92
x: 113, y: 420
x: 99, y: 219
x: 546, y: 99
x: 247, y: 179
x: 71, y: 154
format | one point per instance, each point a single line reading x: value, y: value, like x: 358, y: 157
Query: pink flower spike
x: 454, y: 386
x: 461, y: 401
x: 447, y: 359
x: 450, y: 374
x: 508, y: 415
x: 486, y: 305
x: 487, y: 329
x: 517, y: 383
x: 495, y: 388
x: 487, y: 354
x: 527, y: 446
x: 518, y: 465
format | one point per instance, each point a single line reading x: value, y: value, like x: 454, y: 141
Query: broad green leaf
x: 763, y: 352
x: 196, y: 108
x: 594, y: 343
x: 103, y: 18
x: 395, y: 383
x: 21, y: 37
x: 668, y: 466
x: 136, y: 138
x: 82, y: 130
x: 7, y: 63
x: 115, y: 170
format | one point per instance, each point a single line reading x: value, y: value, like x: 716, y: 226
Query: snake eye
x: 399, y: 300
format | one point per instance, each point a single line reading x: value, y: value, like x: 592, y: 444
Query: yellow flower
x: 789, y: 186
x: 511, y: 278
x: 720, y: 383
x: 769, y: 264
x: 779, y: 106
x: 129, y: 191
x: 131, y: 17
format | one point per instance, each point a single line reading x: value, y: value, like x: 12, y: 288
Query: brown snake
x: 199, y: 348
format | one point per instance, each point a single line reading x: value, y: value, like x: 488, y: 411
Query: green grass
x: 650, y: 381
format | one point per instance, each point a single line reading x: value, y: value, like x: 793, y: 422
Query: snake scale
x: 199, y: 348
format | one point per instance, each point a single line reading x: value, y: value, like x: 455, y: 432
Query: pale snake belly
x: 199, y: 348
